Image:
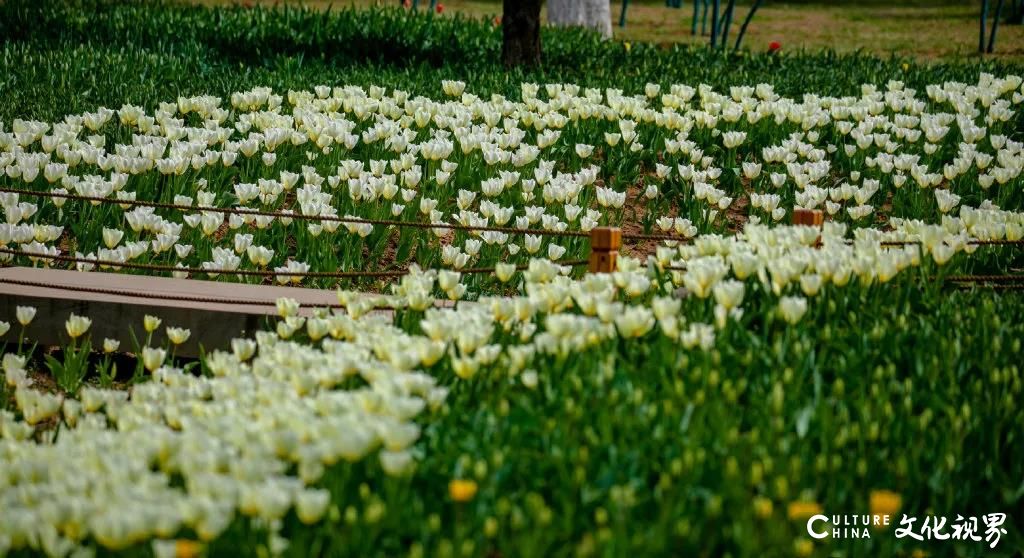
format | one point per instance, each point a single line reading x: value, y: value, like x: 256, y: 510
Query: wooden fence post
x: 810, y: 218
x: 604, y: 249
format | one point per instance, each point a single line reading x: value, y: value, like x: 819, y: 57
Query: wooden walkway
x: 215, y: 312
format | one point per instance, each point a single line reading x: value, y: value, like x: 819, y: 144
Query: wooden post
x: 604, y: 249
x: 810, y: 218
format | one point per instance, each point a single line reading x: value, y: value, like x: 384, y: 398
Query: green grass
x: 944, y: 30
x: 55, y: 60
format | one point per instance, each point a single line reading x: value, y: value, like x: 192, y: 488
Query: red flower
x: 774, y: 46
x: 439, y: 8
x: 497, y: 20
x: 406, y: 4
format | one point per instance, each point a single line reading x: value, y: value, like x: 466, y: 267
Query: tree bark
x: 595, y: 14
x: 520, y: 22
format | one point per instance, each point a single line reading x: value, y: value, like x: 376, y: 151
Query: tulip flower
x: 153, y: 358
x: 25, y: 314
x: 792, y: 308
x: 504, y: 271
x: 287, y: 307
x: 310, y: 505
x: 150, y: 323
x: 460, y: 490
x: 178, y: 335
x: 76, y: 326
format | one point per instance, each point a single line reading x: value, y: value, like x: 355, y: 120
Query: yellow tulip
x: 462, y: 490
x: 802, y: 509
x: 885, y: 502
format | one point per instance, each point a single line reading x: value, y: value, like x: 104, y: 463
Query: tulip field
x: 478, y: 392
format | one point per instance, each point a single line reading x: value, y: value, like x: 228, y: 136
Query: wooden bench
x: 215, y: 312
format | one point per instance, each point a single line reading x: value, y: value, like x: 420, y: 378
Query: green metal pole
x: 622, y: 16
x: 746, y: 22
x: 704, y: 17
x: 984, y: 16
x: 715, y: 8
x: 728, y: 22
x: 995, y: 26
x: 696, y: 16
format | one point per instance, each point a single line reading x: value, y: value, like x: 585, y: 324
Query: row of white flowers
x: 349, y: 151
x: 272, y: 402
x: 254, y: 438
x: 271, y: 405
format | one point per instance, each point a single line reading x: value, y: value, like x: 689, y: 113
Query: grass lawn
x: 926, y: 31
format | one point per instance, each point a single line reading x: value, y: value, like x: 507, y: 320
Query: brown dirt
x: 635, y: 204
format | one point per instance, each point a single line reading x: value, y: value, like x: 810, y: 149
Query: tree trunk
x: 520, y: 23
x: 595, y: 14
